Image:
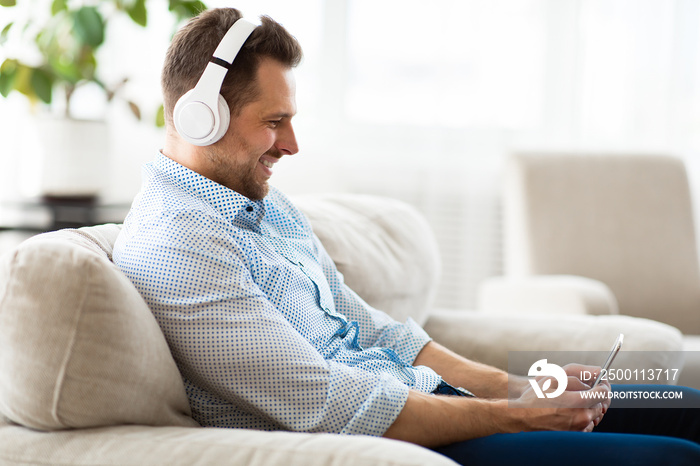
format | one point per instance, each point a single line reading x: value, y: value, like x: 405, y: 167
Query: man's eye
x: 274, y: 123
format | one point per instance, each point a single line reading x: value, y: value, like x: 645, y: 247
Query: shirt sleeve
x: 230, y: 340
x: 377, y: 329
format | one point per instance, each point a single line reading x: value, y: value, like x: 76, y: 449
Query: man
x: 263, y: 329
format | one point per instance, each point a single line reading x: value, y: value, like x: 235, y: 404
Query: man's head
x: 193, y: 46
x: 259, y: 89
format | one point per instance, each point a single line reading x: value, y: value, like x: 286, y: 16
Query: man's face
x: 259, y: 136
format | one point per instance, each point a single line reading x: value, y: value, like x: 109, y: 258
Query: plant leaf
x: 8, y: 2
x: 7, y: 81
x: 4, y: 32
x: 65, y: 71
x: 42, y: 83
x: 196, y: 7
x: 138, y: 13
x: 22, y: 82
x: 58, y: 5
x: 184, y: 9
x: 160, y: 117
x: 135, y: 109
x: 89, y: 26
x: 8, y: 73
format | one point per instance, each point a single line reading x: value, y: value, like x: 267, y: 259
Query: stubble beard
x: 238, y: 176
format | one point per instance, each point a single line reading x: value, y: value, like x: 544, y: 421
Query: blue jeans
x: 626, y: 436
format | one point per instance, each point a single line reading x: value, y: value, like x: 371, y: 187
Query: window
x: 450, y: 63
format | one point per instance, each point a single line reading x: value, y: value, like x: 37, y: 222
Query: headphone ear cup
x: 194, y: 120
x: 194, y: 116
x: 224, y: 120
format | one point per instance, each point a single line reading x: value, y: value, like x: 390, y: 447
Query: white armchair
x: 601, y: 234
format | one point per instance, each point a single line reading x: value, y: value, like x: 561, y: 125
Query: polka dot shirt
x: 262, y: 327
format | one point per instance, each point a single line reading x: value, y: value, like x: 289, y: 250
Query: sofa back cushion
x: 78, y: 345
x: 384, y: 248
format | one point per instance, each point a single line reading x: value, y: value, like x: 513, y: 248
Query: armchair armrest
x: 549, y: 294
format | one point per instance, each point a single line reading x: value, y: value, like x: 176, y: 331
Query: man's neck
x: 178, y: 150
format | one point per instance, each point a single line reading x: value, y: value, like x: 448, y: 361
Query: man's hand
x: 587, y: 375
x: 568, y: 411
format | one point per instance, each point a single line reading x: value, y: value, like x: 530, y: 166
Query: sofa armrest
x: 550, y: 294
x: 488, y: 338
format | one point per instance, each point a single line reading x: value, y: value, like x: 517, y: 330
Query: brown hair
x: 194, y: 44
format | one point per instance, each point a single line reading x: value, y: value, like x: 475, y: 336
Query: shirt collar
x: 226, y: 201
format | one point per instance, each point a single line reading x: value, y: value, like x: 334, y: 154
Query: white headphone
x: 201, y: 115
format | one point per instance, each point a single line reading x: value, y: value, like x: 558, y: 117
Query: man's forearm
x: 482, y: 380
x: 433, y: 421
x: 501, y: 406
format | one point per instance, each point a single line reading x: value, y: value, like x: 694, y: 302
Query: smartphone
x: 611, y: 357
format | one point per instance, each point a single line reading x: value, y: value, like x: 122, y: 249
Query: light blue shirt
x: 264, y: 331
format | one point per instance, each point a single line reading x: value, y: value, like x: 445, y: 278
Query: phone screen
x: 611, y: 357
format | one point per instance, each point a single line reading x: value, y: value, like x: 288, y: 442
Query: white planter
x: 72, y: 157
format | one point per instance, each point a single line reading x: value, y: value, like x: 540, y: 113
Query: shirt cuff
x: 380, y: 409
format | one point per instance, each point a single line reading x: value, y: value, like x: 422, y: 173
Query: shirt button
x: 249, y: 208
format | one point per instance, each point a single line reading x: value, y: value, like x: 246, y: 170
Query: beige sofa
x: 86, y: 376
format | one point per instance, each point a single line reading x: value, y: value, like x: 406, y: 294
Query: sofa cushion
x: 78, y: 345
x: 177, y: 446
x: 384, y: 248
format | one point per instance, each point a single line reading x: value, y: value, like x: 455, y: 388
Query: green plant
x: 67, y: 40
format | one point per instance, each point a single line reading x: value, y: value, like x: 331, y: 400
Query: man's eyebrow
x: 278, y: 115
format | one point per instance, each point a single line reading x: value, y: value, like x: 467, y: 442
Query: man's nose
x: 287, y: 140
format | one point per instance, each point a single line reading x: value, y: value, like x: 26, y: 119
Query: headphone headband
x: 201, y: 115
x: 233, y: 40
